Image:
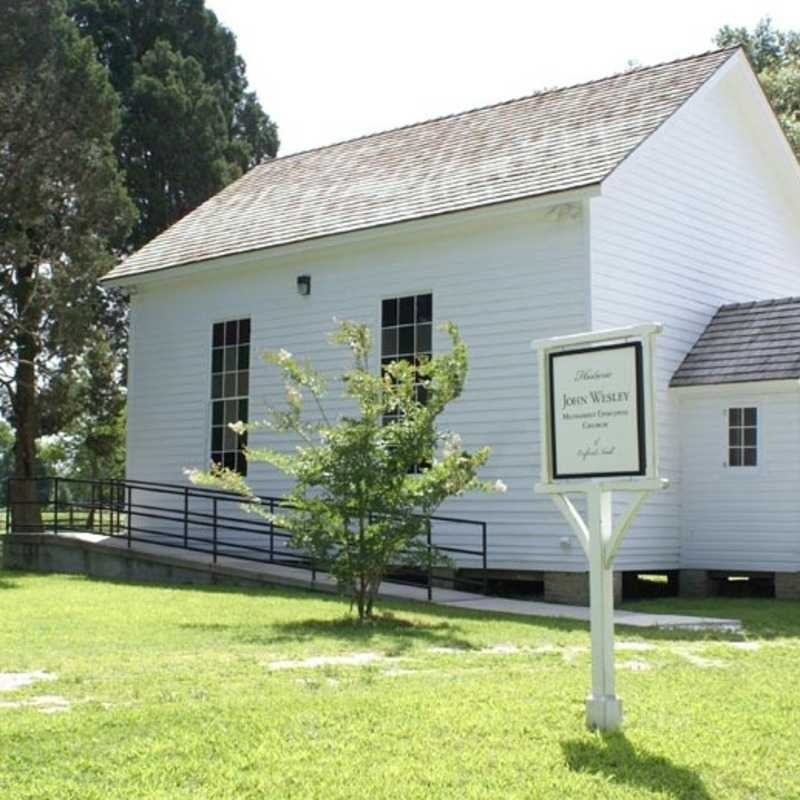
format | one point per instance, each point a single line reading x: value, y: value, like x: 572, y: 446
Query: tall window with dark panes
x: 230, y: 388
x: 407, y: 332
x: 742, y: 437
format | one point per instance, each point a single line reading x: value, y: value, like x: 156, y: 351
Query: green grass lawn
x: 186, y: 693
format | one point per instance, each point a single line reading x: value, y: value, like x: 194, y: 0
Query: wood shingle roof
x: 548, y: 142
x: 757, y: 341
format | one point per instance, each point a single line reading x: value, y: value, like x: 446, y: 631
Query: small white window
x: 742, y: 437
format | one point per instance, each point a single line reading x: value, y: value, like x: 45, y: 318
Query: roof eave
x: 738, y: 385
x: 343, y: 238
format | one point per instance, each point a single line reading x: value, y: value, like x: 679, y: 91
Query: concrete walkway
x: 233, y: 569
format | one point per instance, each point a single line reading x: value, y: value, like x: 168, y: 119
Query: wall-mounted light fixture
x: 304, y: 285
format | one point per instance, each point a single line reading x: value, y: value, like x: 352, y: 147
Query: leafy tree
x: 99, y: 432
x: 53, y: 457
x: 6, y: 458
x: 189, y: 125
x: 62, y: 201
x: 775, y: 55
x: 364, y: 489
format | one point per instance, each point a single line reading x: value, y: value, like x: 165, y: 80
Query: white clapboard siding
x: 505, y: 280
x: 698, y: 216
x: 741, y: 518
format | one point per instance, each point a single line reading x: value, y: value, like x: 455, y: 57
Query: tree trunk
x: 24, y: 498
x: 373, y: 589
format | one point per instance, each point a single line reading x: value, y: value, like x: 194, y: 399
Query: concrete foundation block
x: 787, y: 585
x: 572, y: 588
x: 69, y: 560
x: 190, y: 577
x: 443, y: 578
x: 696, y: 583
x: 19, y: 555
x: 110, y: 566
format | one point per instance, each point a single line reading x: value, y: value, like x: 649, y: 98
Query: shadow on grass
x: 762, y: 618
x: 398, y: 634
x: 615, y: 757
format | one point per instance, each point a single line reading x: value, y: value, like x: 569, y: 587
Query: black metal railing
x: 212, y: 521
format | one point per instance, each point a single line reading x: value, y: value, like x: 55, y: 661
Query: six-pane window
x: 407, y: 333
x: 230, y: 388
x: 742, y: 437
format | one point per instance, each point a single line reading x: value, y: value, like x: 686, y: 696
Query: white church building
x: 665, y: 193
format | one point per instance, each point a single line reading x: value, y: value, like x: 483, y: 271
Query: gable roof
x: 757, y: 341
x: 552, y: 141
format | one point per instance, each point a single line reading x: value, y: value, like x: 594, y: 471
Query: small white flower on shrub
x: 452, y: 444
x: 294, y: 396
x: 237, y: 427
x: 499, y: 487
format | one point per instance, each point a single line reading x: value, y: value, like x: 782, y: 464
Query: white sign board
x: 597, y: 406
x: 597, y: 422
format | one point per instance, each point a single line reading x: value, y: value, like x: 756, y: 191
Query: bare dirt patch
x: 501, y: 650
x: 46, y: 704
x: 350, y: 660
x: 702, y: 661
x: 634, y: 646
x: 10, y: 681
x: 635, y: 665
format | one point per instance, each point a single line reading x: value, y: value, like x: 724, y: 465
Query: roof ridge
x: 487, y: 106
x: 756, y: 303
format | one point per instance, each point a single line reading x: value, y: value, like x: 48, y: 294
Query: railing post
x: 55, y: 505
x: 430, y: 563
x: 186, y: 517
x: 214, y: 532
x: 130, y: 513
x: 120, y: 504
x: 483, y: 547
x: 115, y: 515
x: 271, y: 530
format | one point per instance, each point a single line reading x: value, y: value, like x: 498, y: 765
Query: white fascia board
x: 771, y: 138
x: 255, y: 257
x: 723, y: 70
x: 786, y: 385
x: 592, y: 337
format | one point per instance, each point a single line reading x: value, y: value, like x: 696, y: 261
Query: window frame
x: 210, y: 400
x: 380, y: 327
x: 743, y: 469
x: 389, y: 418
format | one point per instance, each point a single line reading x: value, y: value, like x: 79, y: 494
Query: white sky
x: 327, y: 71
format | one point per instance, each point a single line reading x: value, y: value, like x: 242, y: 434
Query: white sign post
x: 597, y: 410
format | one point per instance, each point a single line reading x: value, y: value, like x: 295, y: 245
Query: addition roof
x: 758, y: 341
x: 551, y: 141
